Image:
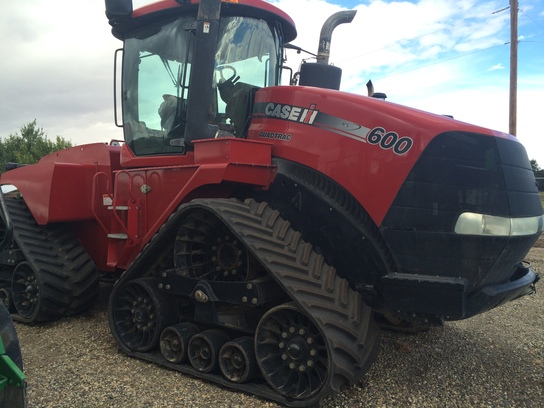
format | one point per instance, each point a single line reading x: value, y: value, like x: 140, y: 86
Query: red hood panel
x: 367, y: 145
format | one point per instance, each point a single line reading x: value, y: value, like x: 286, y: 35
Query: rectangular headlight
x: 482, y: 224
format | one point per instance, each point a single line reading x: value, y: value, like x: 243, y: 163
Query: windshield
x: 156, y: 74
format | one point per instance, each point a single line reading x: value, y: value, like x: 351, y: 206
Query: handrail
x: 4, y: 214
x: 94, y: 193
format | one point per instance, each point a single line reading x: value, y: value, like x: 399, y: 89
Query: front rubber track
x: 340, y: 313
x: 68, y: 277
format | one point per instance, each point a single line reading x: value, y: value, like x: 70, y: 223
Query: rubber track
x: 346, y: 322
x: 339, y: 311
x: 69, y: 279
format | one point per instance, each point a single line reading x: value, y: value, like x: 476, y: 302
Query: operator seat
x: 173, y: 113
x: 239, y: 98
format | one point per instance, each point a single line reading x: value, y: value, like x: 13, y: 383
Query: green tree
x: 535, y: 165
x: 30, y: 146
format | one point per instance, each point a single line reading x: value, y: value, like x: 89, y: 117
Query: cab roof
x: 125, y: 23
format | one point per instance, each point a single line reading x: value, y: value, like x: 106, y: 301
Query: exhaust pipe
x: 332, y: 22
x: 321, y: 74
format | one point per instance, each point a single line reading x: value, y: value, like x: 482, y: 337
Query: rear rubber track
x: 68, y: 277
x: 340, y: 313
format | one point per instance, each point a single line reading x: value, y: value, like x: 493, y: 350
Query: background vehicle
x: 256, y: 228
x: 12, y: 379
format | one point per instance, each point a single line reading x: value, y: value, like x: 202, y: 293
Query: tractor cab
x: 191, y: 73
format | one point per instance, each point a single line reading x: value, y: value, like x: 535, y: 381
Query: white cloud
x: 495, y: 67
x: 57, y: 67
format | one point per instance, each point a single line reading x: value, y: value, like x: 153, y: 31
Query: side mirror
x: 118, y: 9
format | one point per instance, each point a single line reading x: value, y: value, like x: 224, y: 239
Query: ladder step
x: 118, y: 236
x: 119, y: 207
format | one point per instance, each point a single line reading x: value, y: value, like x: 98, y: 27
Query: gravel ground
x: 492, y: 360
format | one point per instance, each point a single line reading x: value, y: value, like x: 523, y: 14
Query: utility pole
x: 513, y: 66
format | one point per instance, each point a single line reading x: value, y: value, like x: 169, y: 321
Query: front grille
x: 462, y: 172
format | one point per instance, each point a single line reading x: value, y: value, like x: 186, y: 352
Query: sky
x: 442, y: 56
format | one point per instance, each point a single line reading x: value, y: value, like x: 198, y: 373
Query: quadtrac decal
x: 310, y: 115
x: 275, y: 135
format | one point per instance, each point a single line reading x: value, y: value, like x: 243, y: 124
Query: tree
x: 535, y: 165
x: 30, y: 146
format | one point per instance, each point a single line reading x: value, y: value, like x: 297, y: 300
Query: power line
x: 429, y: 33
x: 394, y: 44
x: 399, y: 42
x: 441, y: 61
x: 532, y: 19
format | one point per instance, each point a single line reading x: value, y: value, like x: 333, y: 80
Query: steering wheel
x: 221, y: 68
x: 226, y: 86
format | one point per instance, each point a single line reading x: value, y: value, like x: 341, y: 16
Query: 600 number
x: 389, y: 140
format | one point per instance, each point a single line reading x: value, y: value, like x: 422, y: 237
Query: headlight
x: 481, y: 224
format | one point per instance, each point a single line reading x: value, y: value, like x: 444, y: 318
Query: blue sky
x: 443, y: 56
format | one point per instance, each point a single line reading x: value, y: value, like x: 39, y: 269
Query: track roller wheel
x: 237, y: 360
x: 26, y: 288
x: 140, y: 314
x: 174, y: 341
x: 291, y: 352
x: 204, y: 349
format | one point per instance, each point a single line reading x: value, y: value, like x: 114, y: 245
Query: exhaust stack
x: 332, y: 22
x: 320, y: 74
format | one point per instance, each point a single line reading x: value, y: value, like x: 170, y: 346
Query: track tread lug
x: 305, y: 257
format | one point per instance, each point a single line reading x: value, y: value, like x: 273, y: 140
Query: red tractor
x: 256, y: 230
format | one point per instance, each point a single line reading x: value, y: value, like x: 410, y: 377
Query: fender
x: 334, y: 222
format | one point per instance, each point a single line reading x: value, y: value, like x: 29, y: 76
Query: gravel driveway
x: 492, y: 360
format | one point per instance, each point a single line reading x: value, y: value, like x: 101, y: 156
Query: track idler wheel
x: 174, y: 341
x: 291, y: 352
x: 237, y: 360
x: 206, y: 249
x: 140, y: 314
x: 26, y: 288
x: 204, y: 349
